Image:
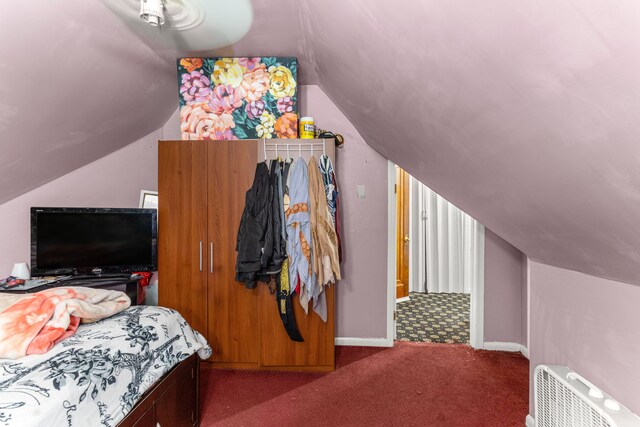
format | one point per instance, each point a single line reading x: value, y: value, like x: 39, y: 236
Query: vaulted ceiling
x: 75, y: 85
x: 524, y: 114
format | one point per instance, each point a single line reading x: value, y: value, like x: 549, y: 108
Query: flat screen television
x: 93, y: 241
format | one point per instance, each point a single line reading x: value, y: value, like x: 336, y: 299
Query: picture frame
x: 148, y: 199
x: 229, y: 98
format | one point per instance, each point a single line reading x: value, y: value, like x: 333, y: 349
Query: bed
x: 131, y: 369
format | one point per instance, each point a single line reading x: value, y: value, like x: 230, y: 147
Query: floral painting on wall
x: 238, y: 98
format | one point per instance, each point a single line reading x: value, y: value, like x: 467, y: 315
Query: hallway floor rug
x: 439, y: 318
x: 411, y: 384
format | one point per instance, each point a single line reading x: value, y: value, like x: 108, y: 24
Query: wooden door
x: 182, y: 229
x: 402, y: 233
x: 233, y: 309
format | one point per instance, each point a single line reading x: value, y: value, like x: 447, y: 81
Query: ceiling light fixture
x: 151, y: 12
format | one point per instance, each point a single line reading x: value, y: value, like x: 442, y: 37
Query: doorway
x: 438, y: 260
x: 402, y: 235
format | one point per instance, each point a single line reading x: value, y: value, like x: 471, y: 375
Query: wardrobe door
x: 182, y: 229
x: 317, y: 352
x: 233, y: 309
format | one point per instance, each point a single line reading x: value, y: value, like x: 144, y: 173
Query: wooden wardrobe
x: 201, y: 189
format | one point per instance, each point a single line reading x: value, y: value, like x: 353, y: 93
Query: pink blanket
x: 33, y: 323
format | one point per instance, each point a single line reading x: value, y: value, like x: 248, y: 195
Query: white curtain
x: 447, y: 245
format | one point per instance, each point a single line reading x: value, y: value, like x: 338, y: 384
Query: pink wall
x: 361, y: 299
x: 112, y: 181
x: 363, y: 290
x: 94, y: 87
x: 590, y: 324
x: 502, y: 291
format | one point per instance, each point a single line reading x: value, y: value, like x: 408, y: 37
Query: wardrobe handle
x: 211, y: 257
x: 200, y: 255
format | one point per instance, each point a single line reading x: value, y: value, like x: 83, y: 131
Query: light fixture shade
x: 203, y: 25
x: 151, y: 11
x: 21, y: 271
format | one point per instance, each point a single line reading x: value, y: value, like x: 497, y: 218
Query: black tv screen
x: 92, y: 240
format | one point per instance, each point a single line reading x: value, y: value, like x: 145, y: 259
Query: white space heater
x: 563, y: 398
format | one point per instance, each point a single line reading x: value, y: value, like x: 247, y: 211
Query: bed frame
x: 172, y: 401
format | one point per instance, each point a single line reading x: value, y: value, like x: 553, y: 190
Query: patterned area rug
x: 441, y: 318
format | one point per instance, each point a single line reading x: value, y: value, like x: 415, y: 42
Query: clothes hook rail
x: 276, y: 147
x: 264, y: 145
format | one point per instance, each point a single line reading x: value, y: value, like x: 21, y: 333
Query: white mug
x: 21, y: 271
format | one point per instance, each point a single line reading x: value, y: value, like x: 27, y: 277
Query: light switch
x: 361, y: 193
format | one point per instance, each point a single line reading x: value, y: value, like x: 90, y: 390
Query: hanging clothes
x: 333, y: 202
x: 254, y: 243
x: 283, y: 291
x: 285, y: 304
x: 288, y: 231
x: 279, y: 251
x: 286, y: 167
x: 299, y: 232
x: 261, y: 241
x: 318, y: 297
x: 280, y: 191
x: 325, y: 262
x: 286, y: 177
x: 328, y: 178
x: 323, y: 227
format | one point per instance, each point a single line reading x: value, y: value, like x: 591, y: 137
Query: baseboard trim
x: 507, y: 346
x: 383, y: 342
x: 364, y: 342
x: 530, y: 421
x: 403, y: 299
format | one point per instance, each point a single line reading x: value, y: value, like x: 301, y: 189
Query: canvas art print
x: 238, y: 98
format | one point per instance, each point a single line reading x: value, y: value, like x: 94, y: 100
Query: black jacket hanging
x: 255, y: 234
x: 279, y: 245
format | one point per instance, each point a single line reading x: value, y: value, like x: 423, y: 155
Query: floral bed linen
x: 95, y: 377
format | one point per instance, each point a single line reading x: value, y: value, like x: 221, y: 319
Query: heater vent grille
x: 557, y: 405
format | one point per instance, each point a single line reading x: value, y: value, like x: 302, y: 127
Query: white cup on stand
x: 21, y: 271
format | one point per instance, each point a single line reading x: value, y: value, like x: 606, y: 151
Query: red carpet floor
x: 412, y: 384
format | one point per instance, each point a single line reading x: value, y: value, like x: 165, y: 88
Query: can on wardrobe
x: 307, y: 128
